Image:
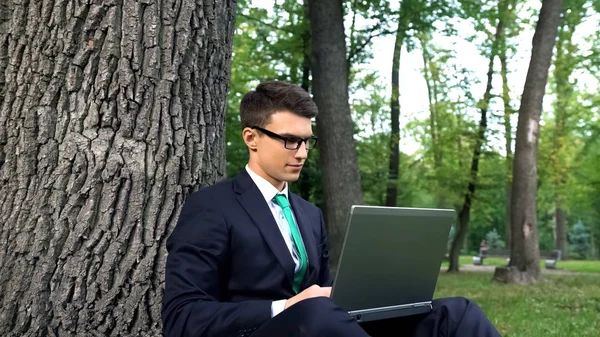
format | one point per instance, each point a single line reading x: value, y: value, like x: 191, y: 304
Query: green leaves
x: 268, y: 44
x: 274, y: 43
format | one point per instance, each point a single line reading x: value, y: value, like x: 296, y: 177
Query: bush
x: 579, y: 239
x: 493, y: 239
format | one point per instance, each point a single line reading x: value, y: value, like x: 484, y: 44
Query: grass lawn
x: 591, y: 266
x: 564, y: 305
x: 582, y: 266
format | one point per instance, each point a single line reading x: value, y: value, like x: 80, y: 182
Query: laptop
x: 390, y: 261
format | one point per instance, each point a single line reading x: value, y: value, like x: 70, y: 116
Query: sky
x: 413, y: 90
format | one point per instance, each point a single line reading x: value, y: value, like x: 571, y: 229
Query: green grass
x: 581, y: 266
x: 588, y: 266
x: 563, y: 305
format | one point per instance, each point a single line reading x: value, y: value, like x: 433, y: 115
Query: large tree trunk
x: 337, y: 150
x: 524, y: 266
x: 5, y: 15
x: 112, y: 114
x: 464, y: 216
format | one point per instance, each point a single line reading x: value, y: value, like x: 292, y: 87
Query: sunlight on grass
x: 563, y: 305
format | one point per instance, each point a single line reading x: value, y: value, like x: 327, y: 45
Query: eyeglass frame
x: 286, y: 139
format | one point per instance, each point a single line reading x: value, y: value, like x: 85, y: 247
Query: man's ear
x: 249, y: 136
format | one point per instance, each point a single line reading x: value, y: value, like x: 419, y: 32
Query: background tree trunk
x: 560, y: 216
x: 464, y: 216
x: 431, y: 79
x: 112, y: 114
x: 524, y: 266
x: 506, y: 14
x: 337, y: 150
x: 391, y: 194
x: 593, y: 246
x: 409, y: 9
x: 304, y: 184
x: 566, y: 61
x: 508, y: 144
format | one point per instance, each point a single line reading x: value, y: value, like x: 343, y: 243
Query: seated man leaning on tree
x: 249, y: 258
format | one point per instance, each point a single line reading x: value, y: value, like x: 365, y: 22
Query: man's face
x: 272, y: 160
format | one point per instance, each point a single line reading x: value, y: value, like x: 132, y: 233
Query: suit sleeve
x: 195, y: 275
x: 325, y: 279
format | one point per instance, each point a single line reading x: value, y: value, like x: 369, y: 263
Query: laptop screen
x: 391, y: 256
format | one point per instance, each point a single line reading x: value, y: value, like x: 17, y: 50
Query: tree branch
x: 266, y: 24
x: 352, y: 54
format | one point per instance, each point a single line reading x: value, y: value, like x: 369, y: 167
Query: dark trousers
x: 320, y: 317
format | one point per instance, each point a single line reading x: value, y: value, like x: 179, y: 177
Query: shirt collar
x: 266, y: 188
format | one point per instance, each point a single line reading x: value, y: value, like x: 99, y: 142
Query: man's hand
x: 310, y: 292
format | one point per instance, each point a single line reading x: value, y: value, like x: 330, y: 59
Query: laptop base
x: 391, y: 312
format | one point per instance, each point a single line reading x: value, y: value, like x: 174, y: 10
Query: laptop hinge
x: 390, y: 308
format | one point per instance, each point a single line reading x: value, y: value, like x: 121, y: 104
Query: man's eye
x: 294, y: 140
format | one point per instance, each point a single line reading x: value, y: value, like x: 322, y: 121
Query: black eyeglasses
x: 290, y: 143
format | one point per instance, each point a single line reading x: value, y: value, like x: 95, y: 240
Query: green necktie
x: 299, y: 249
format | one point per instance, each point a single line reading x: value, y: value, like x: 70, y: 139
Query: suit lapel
x: 254, y: 203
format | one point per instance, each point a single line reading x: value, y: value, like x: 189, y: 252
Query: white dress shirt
x: 269, y: 191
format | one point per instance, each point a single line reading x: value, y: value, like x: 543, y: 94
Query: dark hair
x: 258, y: 105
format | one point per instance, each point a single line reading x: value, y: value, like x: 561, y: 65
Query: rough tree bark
x: 337, y: 150
x: 5, y: 15
x: 524, y: 266
x: 112, y: 113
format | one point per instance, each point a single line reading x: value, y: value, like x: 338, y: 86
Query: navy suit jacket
x: 227, y: 260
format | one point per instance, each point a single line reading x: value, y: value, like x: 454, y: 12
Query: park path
x: 490, y: 269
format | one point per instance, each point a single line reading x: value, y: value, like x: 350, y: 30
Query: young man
x: 249, y: 258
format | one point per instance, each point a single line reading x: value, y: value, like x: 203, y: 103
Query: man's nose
x: 302, y: 151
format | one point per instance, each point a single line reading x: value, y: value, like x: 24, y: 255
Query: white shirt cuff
x: 277, y: 307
